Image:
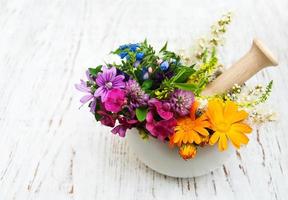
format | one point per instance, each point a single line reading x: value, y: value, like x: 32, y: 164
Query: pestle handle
x: 257, y: 58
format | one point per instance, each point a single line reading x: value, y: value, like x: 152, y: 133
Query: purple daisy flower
x: 135, y: 95
x: 108, y: 80
x: 181, y: 102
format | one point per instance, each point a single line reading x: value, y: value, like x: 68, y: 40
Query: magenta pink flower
x: 124, y: 125
x: 114, y: 100
x: 106, y: 118
x: 160, y: 129
x: 162, y: 108
x: 107, y: 81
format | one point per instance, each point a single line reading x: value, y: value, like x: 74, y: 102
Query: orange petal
x: 197, y: 138
x: 204, y: 124
x: 241, y: 127
x: 202, y: 131
x: 222, y: 145
x: 193, y: 110
x: 230, y: 109
x: 214, y: 138
x: 238, y: 138
x: 238, y: 116
x: 233, y: 138
x: 215, y: 110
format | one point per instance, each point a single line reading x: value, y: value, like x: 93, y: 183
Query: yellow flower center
x: 223, y: 126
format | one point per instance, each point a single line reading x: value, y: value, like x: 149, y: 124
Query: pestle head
x: 257, y: 58
x: 268, y: 56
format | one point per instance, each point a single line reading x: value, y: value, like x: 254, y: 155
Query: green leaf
x: 164, y: 47
x: 186, y: 86
x: 178, y: 75
x: 95, y: 71
x: 141, y: 113
x: 185, y: 75
x: 143, y: 134
x: 147, y: 84
x: 97, y: 116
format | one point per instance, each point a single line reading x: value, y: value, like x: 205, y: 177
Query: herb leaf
x: 141, y: 113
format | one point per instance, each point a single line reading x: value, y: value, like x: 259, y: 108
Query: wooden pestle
x: 257, y: 58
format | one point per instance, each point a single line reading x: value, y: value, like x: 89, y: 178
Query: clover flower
x: 181, y: 101
x: 136, y: 97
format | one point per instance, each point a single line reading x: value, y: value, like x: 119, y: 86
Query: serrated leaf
x: 141, y: 113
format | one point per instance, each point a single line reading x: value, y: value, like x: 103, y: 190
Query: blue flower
x: 123, y: 54
x: 139, y: 56
x: 133, y: 47
x: 122, y: 47
x: 164, y: 65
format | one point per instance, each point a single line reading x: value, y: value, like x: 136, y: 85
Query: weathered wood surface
x: 49, y: 149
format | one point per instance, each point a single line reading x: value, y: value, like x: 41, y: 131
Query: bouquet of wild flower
x: 160, y: 94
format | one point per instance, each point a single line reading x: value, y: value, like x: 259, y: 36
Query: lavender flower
x: 181, y: 102
x: 108, y: 80
x: 84, y: 88
x: 135, y: 95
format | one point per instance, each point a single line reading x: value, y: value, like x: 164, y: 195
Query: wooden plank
x: 50, y: 149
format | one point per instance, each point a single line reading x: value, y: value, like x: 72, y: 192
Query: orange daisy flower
x: 190, y: 129
x: 187, y: 151
x: 228, y: 123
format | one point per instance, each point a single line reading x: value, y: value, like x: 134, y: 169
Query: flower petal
x: 196, y: 137
x: 230, y: 109
x: 202, y: 131
x: 121, y: 130
x: 86, y: 98
x: 100, y: 80
x: 99, y: 91
x: 82, y: 87
x: 110, y: 74
x: 237, y: 137
x: 215, y: 111
x: 234, y: 140
x: 238, y: 116
x: 222, y: 145
x: 214, y: 138
x: 118, y: 82
x: 93, y: 106
x: 241, y: 127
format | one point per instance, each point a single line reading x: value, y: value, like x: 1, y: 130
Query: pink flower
x: 106, y: 118
x: 160, y: 129
x: 162, y: 108
x: 114, y: 100
x: 124, y: 125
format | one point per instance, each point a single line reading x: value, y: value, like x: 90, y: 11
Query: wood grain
x: 49, y: 149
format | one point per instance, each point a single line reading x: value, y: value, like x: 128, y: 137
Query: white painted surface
x: 49, y: 149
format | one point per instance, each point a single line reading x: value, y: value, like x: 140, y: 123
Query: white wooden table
x: 49, y: 149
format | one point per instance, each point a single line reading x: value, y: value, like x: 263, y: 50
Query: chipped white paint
x: 49, y: 149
